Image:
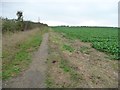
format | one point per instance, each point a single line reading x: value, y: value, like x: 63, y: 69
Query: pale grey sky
x: 65, y: 12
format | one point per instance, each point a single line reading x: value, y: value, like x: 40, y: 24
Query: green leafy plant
x: 104, y: 39
x: 68, y: 47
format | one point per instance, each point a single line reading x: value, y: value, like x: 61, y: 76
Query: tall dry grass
x: 11, y: 41
x: 11, y: 46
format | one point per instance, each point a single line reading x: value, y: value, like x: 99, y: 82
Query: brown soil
x: 94, y: 69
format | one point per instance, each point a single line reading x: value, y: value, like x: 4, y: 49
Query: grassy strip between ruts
x: 22, y: 58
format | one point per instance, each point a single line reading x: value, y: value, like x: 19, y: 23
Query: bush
x: 12, y: 25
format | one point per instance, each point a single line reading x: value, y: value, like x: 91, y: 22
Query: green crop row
x: 103, y: 39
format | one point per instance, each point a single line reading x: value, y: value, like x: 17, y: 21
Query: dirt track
x: 34, y: 77
x: 84, y: 67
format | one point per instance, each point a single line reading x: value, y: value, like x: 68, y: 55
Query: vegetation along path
x: 75, y: 64
x: 34, y: 77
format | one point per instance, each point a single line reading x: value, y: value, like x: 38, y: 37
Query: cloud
x: 54, y: 23
x: 72, y: 12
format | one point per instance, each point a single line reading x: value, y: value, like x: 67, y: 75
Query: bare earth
x: 35, y: 76
x: 85, y: 67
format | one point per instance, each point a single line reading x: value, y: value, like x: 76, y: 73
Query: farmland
x: 60, y: 44
x: 102, y: 38
x: 76, y: 59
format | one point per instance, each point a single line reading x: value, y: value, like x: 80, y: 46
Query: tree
x: 20, y: 15
x: 20, y: 23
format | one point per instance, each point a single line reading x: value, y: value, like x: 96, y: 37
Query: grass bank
x: 17, y: 50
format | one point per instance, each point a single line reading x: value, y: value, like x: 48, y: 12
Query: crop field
x: 67, y: 57
x: 74, y: 62
x: 104, y: 39
x: 75, y: 46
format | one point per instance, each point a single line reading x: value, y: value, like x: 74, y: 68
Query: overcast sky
x: 65, y: 12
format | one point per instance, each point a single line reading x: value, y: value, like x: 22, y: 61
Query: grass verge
x: 70, y: 69
x: 68, y: 47
x: 61, y: 73
x: 18, y: 57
